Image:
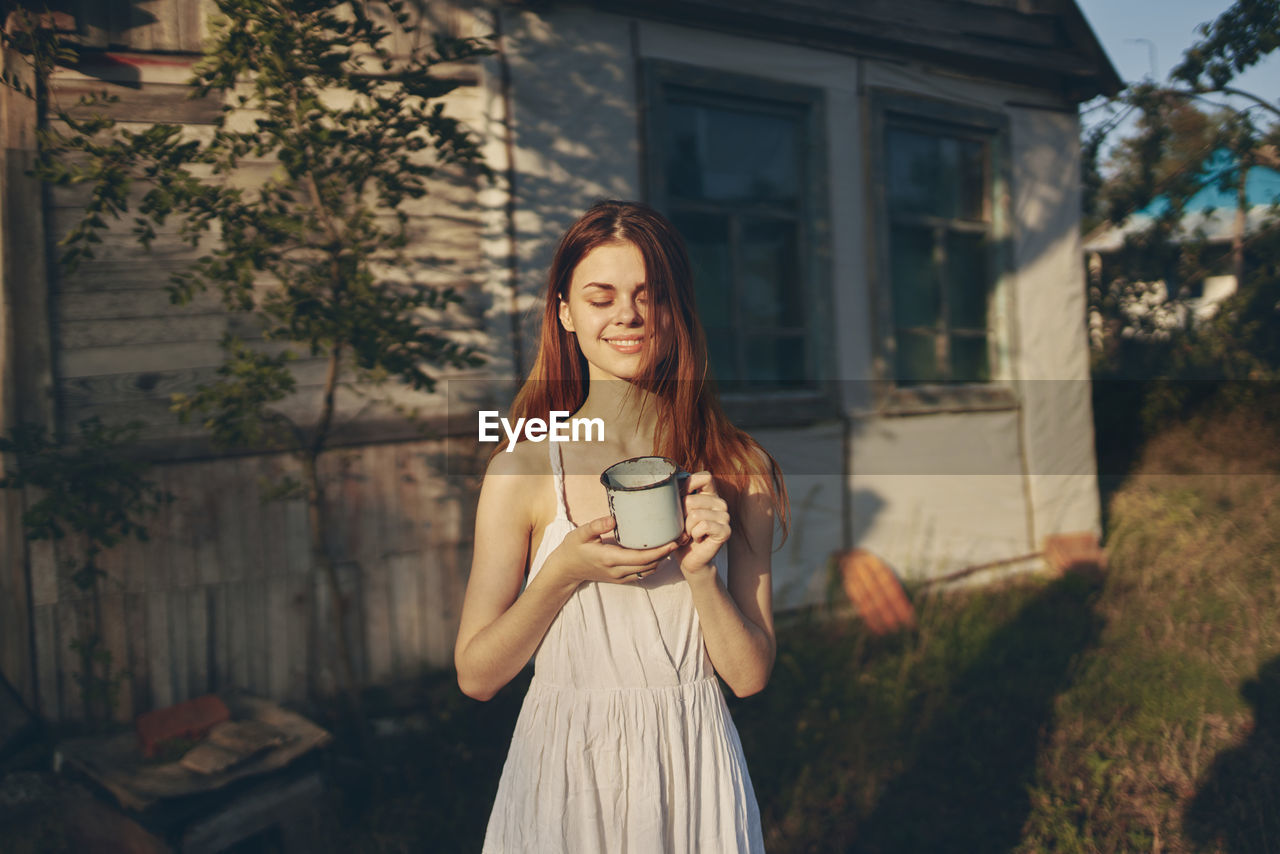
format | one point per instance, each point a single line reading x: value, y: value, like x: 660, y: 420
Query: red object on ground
x: 876, y: 592
x: 1075, y: 552
x: 191, y: 719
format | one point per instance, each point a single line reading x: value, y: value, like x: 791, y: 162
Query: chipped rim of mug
x: 676, y: 472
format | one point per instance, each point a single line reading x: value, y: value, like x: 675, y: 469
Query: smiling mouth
x: 626, y: 345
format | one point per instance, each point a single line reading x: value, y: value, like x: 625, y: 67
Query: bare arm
x: 737, y: 618
x: 501, y: 627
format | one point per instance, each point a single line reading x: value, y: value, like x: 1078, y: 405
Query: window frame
x: 714, y: 87
x: 891, y: 108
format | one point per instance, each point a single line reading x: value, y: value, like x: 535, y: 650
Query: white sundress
x: 624, y: 744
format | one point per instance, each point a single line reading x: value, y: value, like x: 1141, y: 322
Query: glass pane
x: 969, y: 359
x: 707, y: 238
x: 724, y: 368
x: 968, y: 281
x: 762, y: 360
x: 917, y: 359
x: 684, y: 156
x: 793, y: 367
x: 936, y: 174
x: 771, y: 290
x: 913, y: 171
x: 775, y: 360
x: 972, y: 192
x: 725, y: 154
x: 914, y: 276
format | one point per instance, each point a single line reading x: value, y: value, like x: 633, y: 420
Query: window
x: 734, y: 162
x: 940, y: 231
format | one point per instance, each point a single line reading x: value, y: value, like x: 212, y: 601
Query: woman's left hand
x: 706, y: 525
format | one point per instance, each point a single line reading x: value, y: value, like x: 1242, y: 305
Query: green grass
x: 1166, y: 739
x: 926, y: 741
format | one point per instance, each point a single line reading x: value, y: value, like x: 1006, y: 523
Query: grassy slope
x: 1167, y: 739
x: 1133, y: 713
x: 923, y: 742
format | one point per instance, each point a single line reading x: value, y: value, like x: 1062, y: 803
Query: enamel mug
x: 646, y: 501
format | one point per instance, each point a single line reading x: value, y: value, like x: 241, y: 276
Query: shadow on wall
x: 98, y: 25
x: 1237, y: 809
x: 576, y: 134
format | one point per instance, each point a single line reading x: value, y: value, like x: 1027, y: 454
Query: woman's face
x: 608, y: 309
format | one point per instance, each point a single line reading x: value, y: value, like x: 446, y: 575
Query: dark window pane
x: 913, y: 171
x: 724, y: 366
x: 792, y: 364
x: 936, y: 175
x: 723, y: 154
x: 775, y: 360
x: 962, y: 178
x: 915, y: 280
x: 762, y: 359
x: 917, y: 358
x: 707, y: 238
x: 973, y: 180
x: 684, y: 156
x: 770, y: 273
x: 968, y: 281
x: 969, y: 359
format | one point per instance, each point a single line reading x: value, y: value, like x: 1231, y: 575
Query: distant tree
x: 1193, y: 131
x: 356, y: 129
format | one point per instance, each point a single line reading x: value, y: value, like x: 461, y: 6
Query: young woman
x: 624, y: 742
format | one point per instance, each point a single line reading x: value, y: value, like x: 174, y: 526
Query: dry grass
x: 1157, y: 745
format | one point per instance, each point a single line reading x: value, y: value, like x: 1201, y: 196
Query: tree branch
x: 1224, y: 90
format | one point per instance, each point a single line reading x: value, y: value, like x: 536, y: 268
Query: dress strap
x: 557, y: 474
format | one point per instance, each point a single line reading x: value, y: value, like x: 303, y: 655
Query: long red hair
x: 692, y: 428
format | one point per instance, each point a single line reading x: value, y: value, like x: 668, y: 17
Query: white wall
x: 1053, y: 358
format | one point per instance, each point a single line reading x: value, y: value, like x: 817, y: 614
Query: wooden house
x: 882, y: 204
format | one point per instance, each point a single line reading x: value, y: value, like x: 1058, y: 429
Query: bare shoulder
x: 519, y: 481
x: 760, y: 497
x: 760, y: 470
x: 526, y: 458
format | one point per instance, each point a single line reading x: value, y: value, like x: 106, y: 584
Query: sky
x: 1170, y: 28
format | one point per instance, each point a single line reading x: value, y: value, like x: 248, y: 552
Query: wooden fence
x: 224, y: 594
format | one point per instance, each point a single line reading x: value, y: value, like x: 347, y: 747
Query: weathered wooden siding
x: 177, y: 25
x: 25, y: 370
x: 123, y: 349
x: 224, y: 595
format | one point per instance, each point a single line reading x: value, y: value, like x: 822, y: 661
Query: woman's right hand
x: 583, y: 555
